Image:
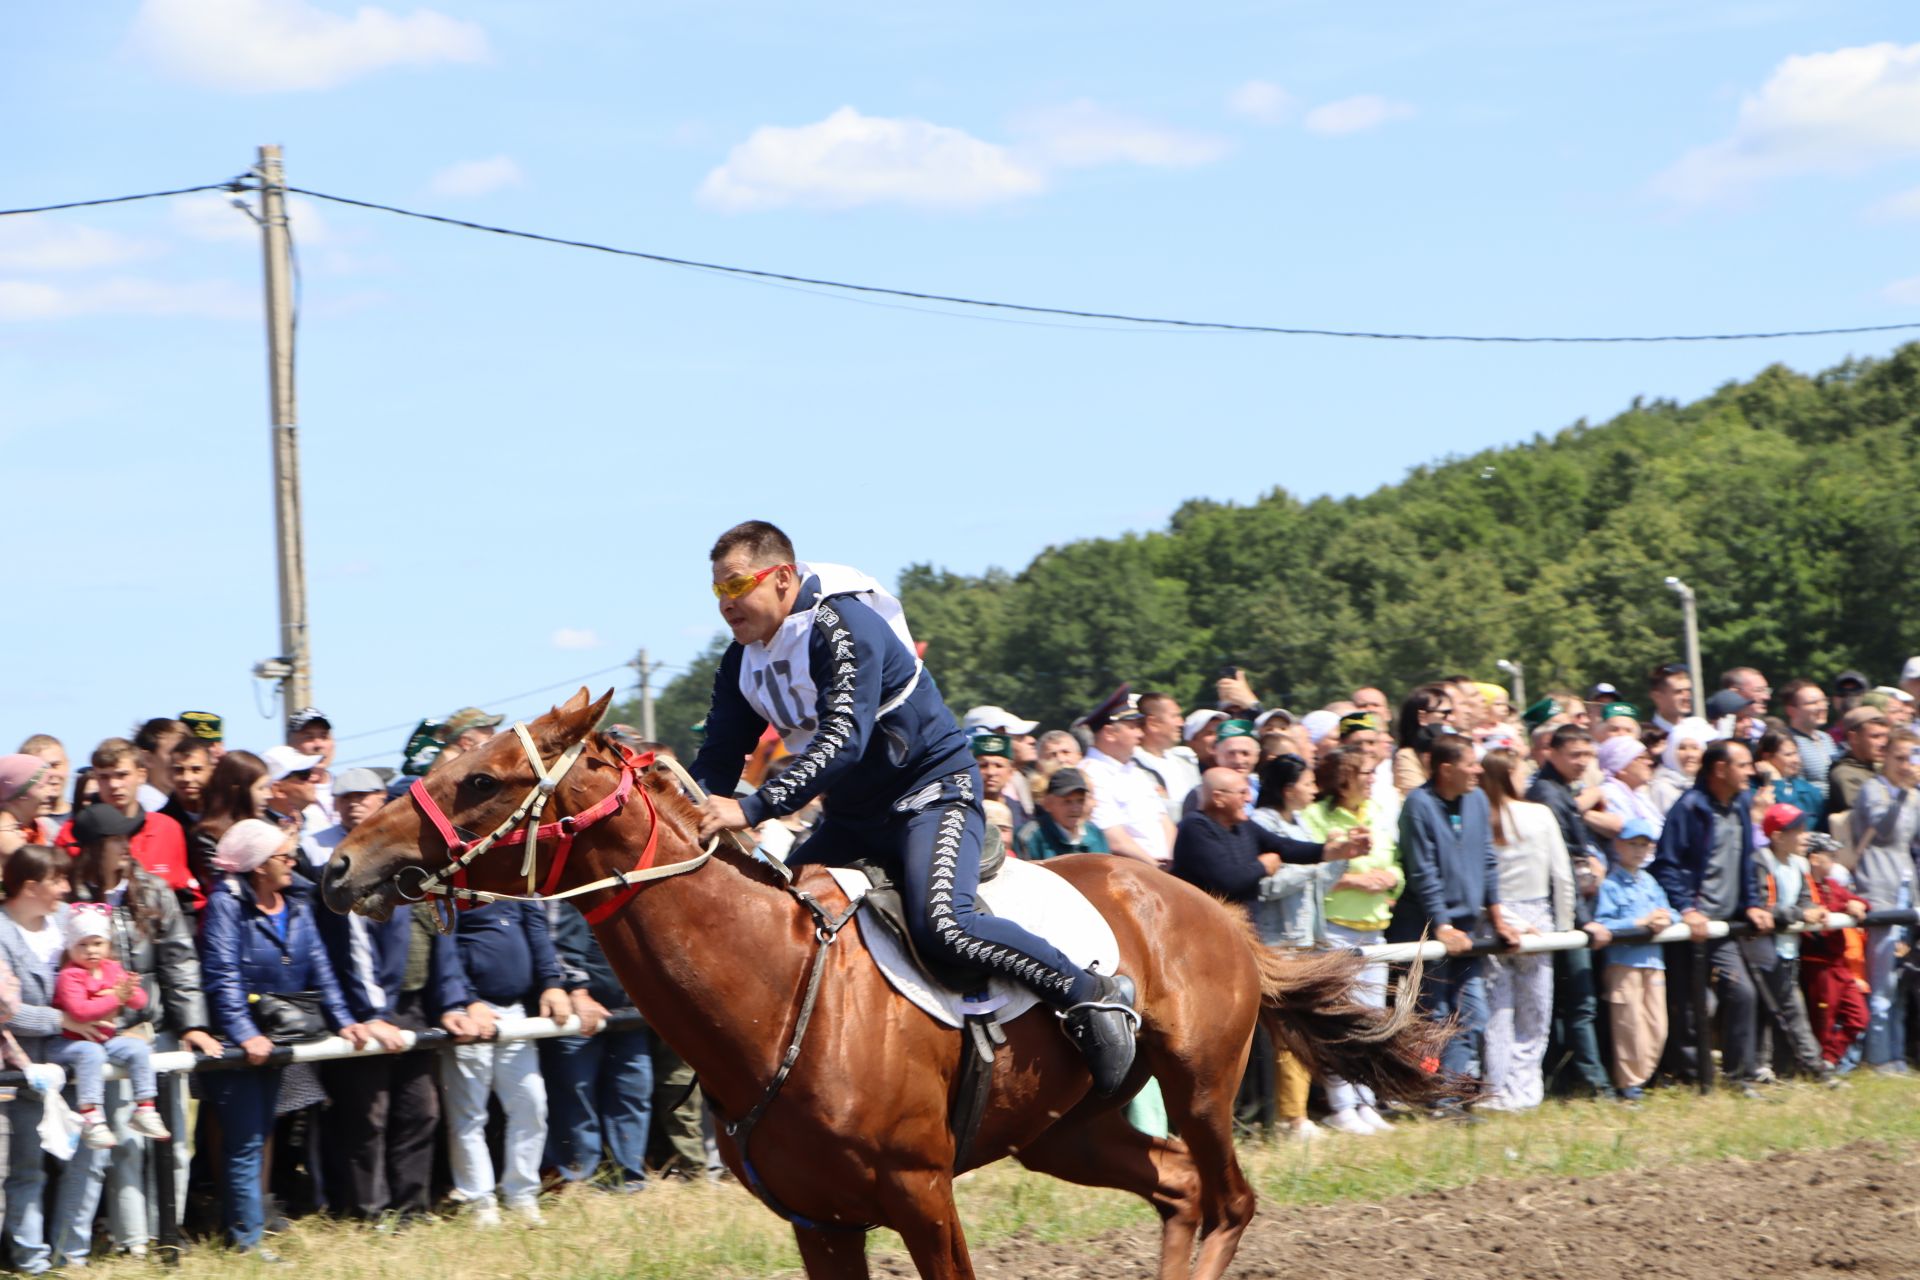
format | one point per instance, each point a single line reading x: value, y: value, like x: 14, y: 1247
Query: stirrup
x: 1103, y: 1030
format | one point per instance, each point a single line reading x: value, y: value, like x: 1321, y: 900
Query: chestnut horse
x: 718, y: 961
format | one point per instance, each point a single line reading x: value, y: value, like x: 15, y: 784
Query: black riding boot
x: 1103, y: 1029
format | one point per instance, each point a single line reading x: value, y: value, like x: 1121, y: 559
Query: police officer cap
x: 1118, y: 707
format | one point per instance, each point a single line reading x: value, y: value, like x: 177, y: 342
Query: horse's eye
x: 484, y: 783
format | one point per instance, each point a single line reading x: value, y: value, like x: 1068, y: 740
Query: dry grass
x: 686, y: 1231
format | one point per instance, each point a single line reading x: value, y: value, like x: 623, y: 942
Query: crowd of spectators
x: 161, y: 896
x: 1463, y: 819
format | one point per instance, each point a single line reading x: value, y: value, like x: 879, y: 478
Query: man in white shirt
x: 1127, y: 805
x: 1161, y: 753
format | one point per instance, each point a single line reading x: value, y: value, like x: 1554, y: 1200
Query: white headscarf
x: 1694, y: 729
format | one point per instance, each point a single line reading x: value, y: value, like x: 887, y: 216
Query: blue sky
x: 479, y: 414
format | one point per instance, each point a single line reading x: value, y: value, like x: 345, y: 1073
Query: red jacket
x: 88, y: 995
x: 1836, y: 946
x: 159, y: 846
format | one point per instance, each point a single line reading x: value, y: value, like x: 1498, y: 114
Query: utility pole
x: 644, y: 665
x: 293, y: 669
x: 1518, y: 671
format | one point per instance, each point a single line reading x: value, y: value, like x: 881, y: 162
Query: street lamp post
x: 1691, y: 618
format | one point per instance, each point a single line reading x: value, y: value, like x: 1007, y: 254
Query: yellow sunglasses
x: 743, y: 584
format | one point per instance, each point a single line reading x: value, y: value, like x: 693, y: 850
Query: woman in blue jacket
x: 258, y: 938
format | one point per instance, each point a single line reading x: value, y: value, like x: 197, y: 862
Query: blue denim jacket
x: 1625, y: 897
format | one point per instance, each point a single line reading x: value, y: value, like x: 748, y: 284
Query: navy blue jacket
x: 1452, y: 878
x: 581, y: 959
x: 1227, y: 862
x: 860, y: 763
x: 386, y: 960
x: 503, y: 953
x: 1553, y: 791
x: 242, y: 954
x: 1686, y: 847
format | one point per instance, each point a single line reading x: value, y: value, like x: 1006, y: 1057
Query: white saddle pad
x: 1024, y: 892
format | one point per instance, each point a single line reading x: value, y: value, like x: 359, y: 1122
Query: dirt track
x: 1851, y: 1211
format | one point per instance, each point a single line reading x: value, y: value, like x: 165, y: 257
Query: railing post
x: 160, y: 1161
x: 1702, y: 1026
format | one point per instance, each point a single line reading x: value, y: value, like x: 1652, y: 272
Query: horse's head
x: 387, y: 857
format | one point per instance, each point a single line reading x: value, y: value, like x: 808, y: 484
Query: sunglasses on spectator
x: 743, y: 584
x: 300, y: 775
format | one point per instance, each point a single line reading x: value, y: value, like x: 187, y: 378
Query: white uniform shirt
x: 1124, y: 797
x: 1177, y: 772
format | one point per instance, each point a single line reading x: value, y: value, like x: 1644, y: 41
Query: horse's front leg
x: 920, y: 1207
x: 833, y: 1255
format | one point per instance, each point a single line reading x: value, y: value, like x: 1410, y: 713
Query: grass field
x: 692, y: 1232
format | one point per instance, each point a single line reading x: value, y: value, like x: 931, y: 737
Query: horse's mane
x: 682, y: 816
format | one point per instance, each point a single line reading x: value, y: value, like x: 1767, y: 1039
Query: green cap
x: 1540, y: 712
x: 1613, y: 709
x: 991, y: 744
x: 1234, y: 729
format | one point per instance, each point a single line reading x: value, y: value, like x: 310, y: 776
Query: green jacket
x: 1357, y: 908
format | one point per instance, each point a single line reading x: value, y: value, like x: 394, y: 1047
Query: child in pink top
x: 92, y: 987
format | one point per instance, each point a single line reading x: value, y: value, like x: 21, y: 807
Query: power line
x: 230, y: 185
x: 1219, y: 326
x: 1164, y: 323
x: 489, y: 702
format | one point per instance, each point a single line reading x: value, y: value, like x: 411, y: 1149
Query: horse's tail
x: 1307, y: 998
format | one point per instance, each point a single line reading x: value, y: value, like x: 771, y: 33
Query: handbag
x: 288, y: 1017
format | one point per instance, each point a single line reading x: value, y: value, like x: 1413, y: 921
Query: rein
x: 523, y: 826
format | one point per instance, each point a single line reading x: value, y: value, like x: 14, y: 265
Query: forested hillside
x: 1789, y: 502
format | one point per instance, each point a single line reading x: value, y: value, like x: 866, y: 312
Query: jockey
x: 822, y: 653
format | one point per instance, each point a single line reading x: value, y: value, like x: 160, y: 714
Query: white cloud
x: 848, y: 160
x: 575, y: 638
x: 127, y: 296
x: 1355, y: 115
x: 262, y: 46
x: 1261, y: 101
x: 1837, y: 112
x: 1085, y: 135
x: 213, y: 218
x: 1905, y: 292
x: 37, y: 245
x: 477, y: 177
x: 1900, y: 207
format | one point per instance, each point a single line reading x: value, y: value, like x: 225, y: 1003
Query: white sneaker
x: 1374, y: 1118
x: 528, y: 1211
x: 98, y: 1136
x: 1305, y: 1131
x: 146, y: 1123
x: 483, y: 1213
x: 1349, y: 1121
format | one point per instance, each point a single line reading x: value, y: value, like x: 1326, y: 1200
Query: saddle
x: 968, y: 998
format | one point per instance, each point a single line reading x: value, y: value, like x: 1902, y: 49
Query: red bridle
x: 523, y: 826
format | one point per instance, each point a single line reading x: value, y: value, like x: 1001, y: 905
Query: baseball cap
x: 1912, y: 670
x: 1197, y: 721
x: 350, y: 782
x: 1893, y: 693
x: 1603, y: 692
x: 1284, y: 717
x: 1850, y: 682
x: 469, y: 718
x: 98, y: 821
x: 283, y: 760
x: 306, y: 718
x: 1641, y: 829
x: 996, y: 720
x: 1781, y: 817
x: 1067, y: 780
x: 1862, y: 715
x: 1727, y: 702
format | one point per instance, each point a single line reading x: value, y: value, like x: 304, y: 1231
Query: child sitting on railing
x: 92, y: 987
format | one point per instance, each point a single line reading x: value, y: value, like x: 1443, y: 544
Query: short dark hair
x: 1660, y: 675
x: 30, y: 862
x: 1789, y: 693
x: 1449, y: 748
x: 1718, y: 752
x: 1566, y: 735
x: 148, y: 735
x: 1148, y: 701
x: 190, y: 746
x: 762, y: 541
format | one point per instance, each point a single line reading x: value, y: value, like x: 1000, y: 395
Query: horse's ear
x: 575, y: 718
